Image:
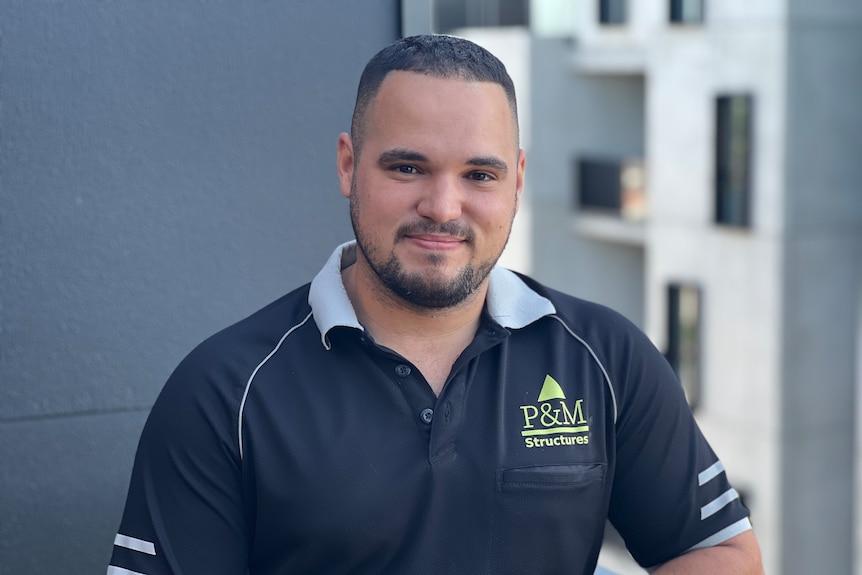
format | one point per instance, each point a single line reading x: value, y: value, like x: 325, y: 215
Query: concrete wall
x: 822, y: 275
x: 737, y: 269
x: 166, y: 168
x: 857, y: 490
x: 577, y: 114
x: 780, y: 335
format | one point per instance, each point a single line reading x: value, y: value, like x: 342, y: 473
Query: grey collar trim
x: 511, y: 303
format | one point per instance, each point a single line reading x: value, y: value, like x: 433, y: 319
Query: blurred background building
x: 697, y: 165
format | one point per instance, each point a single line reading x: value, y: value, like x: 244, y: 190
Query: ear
x: 346, y: 163
x: 519, y: 183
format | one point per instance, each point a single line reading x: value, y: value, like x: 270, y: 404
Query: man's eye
x: 406, y: 169
x: 481, y: 176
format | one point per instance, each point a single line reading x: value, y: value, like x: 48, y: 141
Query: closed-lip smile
x: 435, y: 242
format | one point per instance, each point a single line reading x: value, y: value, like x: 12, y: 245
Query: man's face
x: 437, y: 185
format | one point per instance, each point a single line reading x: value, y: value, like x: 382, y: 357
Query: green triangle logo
x: 551, y: 390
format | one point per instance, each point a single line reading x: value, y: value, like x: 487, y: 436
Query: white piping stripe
x: 731, y: 530
x: 134, y: 544
x: 120, y: 571
x: 709, y: 473
x: 716, y: 504
x: 596, y: 359
x: 254, y: 373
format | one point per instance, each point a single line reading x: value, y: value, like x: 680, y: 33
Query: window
x: 733, y: 160
x: 612, y: 185
x: 686, y: 11
x: 450, y: 15
x: 599, y: 184
x: 612, y: 11
x: 683, y: 337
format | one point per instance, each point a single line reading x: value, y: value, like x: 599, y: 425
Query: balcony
x: 611, y: 199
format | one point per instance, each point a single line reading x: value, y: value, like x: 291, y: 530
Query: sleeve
x: 670, y: 491
x: 184, y: 512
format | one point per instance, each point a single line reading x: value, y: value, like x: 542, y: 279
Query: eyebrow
x: 400, y: 155
x: 489, y: 162
x: 404, y: 155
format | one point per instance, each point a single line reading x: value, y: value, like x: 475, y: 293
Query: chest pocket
x: 550, y: 477
x: 549, y: 519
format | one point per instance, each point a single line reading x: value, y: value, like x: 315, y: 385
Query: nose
x: 441, y: 200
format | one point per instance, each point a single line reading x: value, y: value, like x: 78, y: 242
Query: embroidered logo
x: 551, y: 421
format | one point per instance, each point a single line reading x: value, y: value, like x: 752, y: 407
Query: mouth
x: 435, y: 242
x: 448, y: 235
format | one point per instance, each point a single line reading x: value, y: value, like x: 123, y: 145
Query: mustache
x: 454, y: 228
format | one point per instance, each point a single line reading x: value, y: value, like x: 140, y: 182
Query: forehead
x: 417, y: 106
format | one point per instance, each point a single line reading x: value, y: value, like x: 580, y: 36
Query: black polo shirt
x: 290, y: 443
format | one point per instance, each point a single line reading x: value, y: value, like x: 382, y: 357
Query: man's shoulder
x: 246, y: 342
x: 612, y: 339
x: 273, y: 317
x: 208, y: 384
x: 580, y: 314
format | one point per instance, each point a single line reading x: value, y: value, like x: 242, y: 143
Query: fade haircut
x: 433, y: 55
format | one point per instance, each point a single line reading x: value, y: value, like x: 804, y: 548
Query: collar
x: 510, y: 302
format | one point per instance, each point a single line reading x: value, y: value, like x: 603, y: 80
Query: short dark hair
x: 433, y: 55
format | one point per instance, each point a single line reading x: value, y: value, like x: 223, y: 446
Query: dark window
x: 683, y: 337
x: 611, y: 185
x: 450, y: 15
x: 733, y: 160
x: 599, y: 184
x: 612, y: 11
x: 514, y: 12
x: 686, y: 11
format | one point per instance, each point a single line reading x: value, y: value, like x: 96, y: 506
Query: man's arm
x: 184, y: 512
x: 672, y: 501
x: 739, y: 555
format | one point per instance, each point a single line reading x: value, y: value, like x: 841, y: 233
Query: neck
x: 430, y: 338
x: 385, y: 315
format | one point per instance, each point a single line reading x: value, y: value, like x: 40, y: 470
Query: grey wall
x: 166, y: 168
x: 823, y: 278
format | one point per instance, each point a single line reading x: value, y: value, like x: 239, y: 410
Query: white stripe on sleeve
x: 120, y: 571
x: 716, y: 539
x: 716, y: 504
x: 730, y: 531
x: 134, y: 544
x: 710, y: 473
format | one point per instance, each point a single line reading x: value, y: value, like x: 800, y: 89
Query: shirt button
x: 426, y: 415
x: 402, y: 370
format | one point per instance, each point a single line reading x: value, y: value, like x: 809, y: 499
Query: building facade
x: 697, y: 166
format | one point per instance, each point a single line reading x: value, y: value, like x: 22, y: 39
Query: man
x: 416, y: 409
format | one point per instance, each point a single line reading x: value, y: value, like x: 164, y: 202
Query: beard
x: 428, y: 289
